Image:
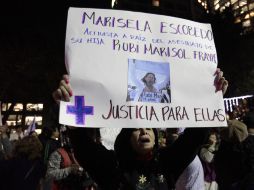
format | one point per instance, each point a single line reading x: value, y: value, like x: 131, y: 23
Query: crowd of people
x: 67, y: 158
x: 241, y: 109
x: 227, y: 155
x: 172, y: 158
x: 63, y: 157
x: 189, y: 159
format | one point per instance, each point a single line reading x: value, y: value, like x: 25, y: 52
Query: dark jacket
x: 248, y: 146
x: 21, y: 173
x: 234, y: 164
x: 111, y: 171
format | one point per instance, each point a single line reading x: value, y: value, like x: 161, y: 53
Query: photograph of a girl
x: 148, y: 81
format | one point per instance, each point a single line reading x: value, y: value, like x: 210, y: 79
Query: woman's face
x: 142, y: 140
x: 212, y: 139
x: 56, y: 134
x: 150, y: 80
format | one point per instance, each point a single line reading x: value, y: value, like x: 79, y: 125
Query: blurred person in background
x: 206, y: 155
x: 24, y: 169
x: 63, y: 168
x: 5, y: 144
x: 18, y: 134
x: 229, y: 160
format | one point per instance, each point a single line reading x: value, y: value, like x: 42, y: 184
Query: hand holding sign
x: 220, y: 82
x: 64, y: 91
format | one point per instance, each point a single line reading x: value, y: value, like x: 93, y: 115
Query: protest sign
x: 130, y: 69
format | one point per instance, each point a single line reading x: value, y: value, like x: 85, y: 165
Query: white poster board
x: 130, y: 69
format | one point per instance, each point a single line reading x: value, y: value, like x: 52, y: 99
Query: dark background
x: 32, y: 35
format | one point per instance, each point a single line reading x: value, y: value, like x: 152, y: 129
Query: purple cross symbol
x: 80, y: 110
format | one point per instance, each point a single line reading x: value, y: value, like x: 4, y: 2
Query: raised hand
x: 64, y: 91
x: 220, y: 82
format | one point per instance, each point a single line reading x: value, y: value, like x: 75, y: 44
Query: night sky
x: 32, y: 39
